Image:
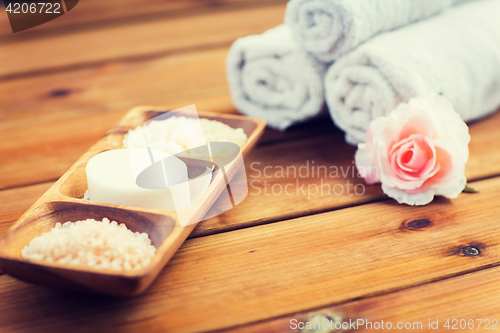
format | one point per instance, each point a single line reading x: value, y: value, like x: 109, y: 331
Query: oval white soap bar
x: 111, y: 178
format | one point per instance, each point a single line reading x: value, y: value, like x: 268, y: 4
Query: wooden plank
x: 296, y: 265
x: 135, y: 40
x: 174, y: 81
x: 38, y: 154
x: 468, y: 297
x: 92, y: 14
x: 16, y: 201
x: 484, y: 146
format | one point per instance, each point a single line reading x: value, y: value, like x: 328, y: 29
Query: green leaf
x: 468, y: 189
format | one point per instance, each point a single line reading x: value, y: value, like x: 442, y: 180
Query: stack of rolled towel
x: 363, y: 57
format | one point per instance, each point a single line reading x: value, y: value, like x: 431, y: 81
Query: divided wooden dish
x: 62, y: 202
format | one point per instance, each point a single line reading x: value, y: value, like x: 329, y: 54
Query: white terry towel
x: 272, y: 78
x: 331, y: 28
x: 456, y: 53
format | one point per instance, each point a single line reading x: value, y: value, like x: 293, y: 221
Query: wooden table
x: 276, y: 259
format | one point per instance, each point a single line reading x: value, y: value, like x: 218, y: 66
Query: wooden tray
x: 62, y: 203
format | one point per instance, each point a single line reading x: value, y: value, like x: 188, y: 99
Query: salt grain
x: 97, y: 244
x: 176, y: 134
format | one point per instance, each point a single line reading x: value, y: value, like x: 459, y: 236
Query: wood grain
x: 470, y: 296
x: 14, y: 202
x: 484, y: 145
x: 95, y: 14
x: 296, y: 265
x: 174, y: 81
x: 135, y: 40
x: 36, y: 154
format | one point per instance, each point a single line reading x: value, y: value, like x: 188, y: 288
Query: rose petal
x: 449, y: 160
x: 447, y: 122
x: 365, y: 166
x: 451, y: 189
x: 418, y: 122
x: 412, y: 199
x: 402, y: 176
x: 418, y: 158
x: 382, y: 144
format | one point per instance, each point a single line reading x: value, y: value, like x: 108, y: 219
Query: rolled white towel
x: 272, y: 78
x: 456, y: 54
x: 331, y: 28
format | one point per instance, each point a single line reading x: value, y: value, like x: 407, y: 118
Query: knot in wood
x: 470, y: 251
x: 60, y: 92
x: 417, y: 224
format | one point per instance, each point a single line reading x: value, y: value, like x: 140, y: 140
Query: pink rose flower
x: 418, y: 151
